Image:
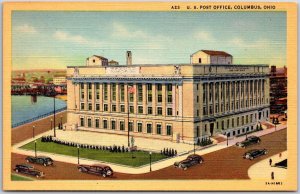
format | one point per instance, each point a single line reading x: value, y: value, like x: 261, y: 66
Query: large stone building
x: 178, y: 102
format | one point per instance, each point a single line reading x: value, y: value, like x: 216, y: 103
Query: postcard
x: 150, y: 96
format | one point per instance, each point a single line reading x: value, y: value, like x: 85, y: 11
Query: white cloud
x: 25, y: 28
x: 64, y: 36
x: 261, y: 43
x: 204, y: 36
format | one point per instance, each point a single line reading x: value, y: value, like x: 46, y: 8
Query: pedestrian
x: 280, y: 155
x: 270, y: 162
x: 272, y: 175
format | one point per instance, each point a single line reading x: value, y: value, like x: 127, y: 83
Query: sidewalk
x: 136, y: 170
x: 263, y: 170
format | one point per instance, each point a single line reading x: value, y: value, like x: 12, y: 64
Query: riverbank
x: 23, y: 132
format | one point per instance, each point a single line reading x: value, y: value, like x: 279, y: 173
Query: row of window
x: 113, y: 126
x: 140, y: 109
x: 131, y: 90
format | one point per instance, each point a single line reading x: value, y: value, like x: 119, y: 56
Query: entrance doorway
x: 211, y: 129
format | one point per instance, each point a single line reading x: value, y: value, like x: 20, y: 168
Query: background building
x: 179, y: 102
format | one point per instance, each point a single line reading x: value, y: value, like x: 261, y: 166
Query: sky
x: 51, y: 39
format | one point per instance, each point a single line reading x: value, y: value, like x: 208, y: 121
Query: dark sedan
x: 249, y: 141
x: 46, y: 161
x: 191, y: 160
x: 254, y: 154
x: 27, y: 169
x: 98, y: 169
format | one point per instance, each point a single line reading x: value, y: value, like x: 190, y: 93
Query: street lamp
x: 246, y: 132
x: 194, y: 147
x: 150, y: 153
x: 54, y: 109
x: 33, y: 127
x: 51, y: 120
x: 35, y: 148
x: 227, y: 138
x: 61, y: 127
x: 78, y: 153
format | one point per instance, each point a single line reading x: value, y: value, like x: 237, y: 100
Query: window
x: 82, y: 90
x: 130, y: 126
x: 197, y: 98
x: 158, y: 129
x: 97, y: 123
x: 170, y: 98
x: 97, y: 91
x: 131, y: 93
x: 242, y: 120
x: 204, y: 93
x: 205, y: 128
x: 105, y: 107
x: 90, y: 91
x: 90, y: 106
x: 140, y: 92
x: 197, y: 113
x: 82, y: 106
x: 169, y: 111
x: 199, y: 60
x: 97, y: 107
x: 204, y: 111
x: 238, y: 121
x: 169, y: 93
x: 122, y: 126
x: 89, y: 122
x: 94, y: 61
x: 150, y: 110
x: 131, y: 109
x: 232, y: 122
x: 227, y: 123
x: 210, y: 109
x: 82, y: 122
x: 105, y: 124
x: 140, y: 127
x: 169, y: 130
x: 122, y: 93
x: 113, y: 108
x: 140, y: 109
x: 223, y: 125
x: 159, y: 111
x: 197, y: 86
x: 149, y: 91
x: 114, y: 92
x: 113, y: 125
x: 122, y: 107
x: 105, y: 90
x: 159, y: 93
x: 149, y: 128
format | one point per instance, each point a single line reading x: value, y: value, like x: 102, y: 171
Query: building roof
x: 219, y: 53
x: 100, y: 57
x: 112, y: 61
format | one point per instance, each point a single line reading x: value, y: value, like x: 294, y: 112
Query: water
x: 26, y: 108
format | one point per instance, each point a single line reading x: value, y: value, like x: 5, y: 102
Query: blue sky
x: 52, y: 39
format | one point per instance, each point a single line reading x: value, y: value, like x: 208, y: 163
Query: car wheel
x: 251, y: 158
x: 37, y: 176
x: 80, y: 169
x: 104, y: 175
x: 45, y: 164
x: 185, y: 168
x: 265, y: 152
x: 17, y: 170
x: 201, y: 161
x: 258, y: 141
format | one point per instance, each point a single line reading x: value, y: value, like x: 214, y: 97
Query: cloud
x: 261, y: 43
x: 25, y: 28
x: 65, y: 36
x: 204, y: 36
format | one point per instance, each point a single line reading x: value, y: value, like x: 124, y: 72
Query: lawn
x: 19, y: 178
x: 140, y: 157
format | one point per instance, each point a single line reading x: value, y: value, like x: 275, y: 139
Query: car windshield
x: 48, y: 159
x: 107, y: 168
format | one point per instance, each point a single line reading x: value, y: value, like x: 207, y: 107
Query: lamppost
x: 61, y: 127
x: 150, y: 153
x: 78, y: 153
x: 33, y: 127
x: 227, y: 138
x: 246, y: 132
x: 194, y: 147
x: 35, y: 148
x: 51, y: 120
x: 54, y: 109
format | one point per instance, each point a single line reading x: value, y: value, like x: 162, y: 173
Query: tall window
x: 130, y: 126
x: 97, y: 107
x: 82, y: 90
x: 113, y: 124
x: 149, y: 128
x: 122, y: 126
x: 169, y: 111
x: 159, y: 93
x: 131, y: 109
x: 89, y: 122
x: 105, y: 124
x: 105, y: 90
x: 105, y: 107
x: 149, y: 92
x: 122, y: 92
x: 82, y: 122
x: 122, y: 107
x: 97, y: 91
x: 140, y: 127
x: 158, y: 128
x: 114, y: 91
x: 97, y: 123
x: 159, y: 110
x: 113, y: 108
x: 169, y: 93
x: 204, y: 92
x: 90, y: 91
x: 169, y: 130
x: 130, y: 94
x: 82, y: 106
x: 210, y: 91
x: 140, y: 109
x: 140, y: 92
x: 216, y: 91
x: 150, y: 110
x: 90, y: 106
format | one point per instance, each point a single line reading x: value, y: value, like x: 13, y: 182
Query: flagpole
x: 128, y: 114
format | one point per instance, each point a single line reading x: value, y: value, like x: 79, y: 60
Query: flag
x: 131, y: 90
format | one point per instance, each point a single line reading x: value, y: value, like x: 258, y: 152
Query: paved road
x: 222, y: 164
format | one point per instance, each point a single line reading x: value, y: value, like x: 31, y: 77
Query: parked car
x: 254, y: 153
x: 191, y: 160
x: 248, y: 141
x: 46, y: 161
x: 98, y: 169
x: 27, y: 169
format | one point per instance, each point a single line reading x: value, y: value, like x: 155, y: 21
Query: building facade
x: 178, y: 102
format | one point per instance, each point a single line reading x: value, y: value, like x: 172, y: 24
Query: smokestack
x: 128, y: 58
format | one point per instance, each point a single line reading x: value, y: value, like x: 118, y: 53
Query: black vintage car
x: 254, y: 154
x: 249, y: 141
x: 43, y: 160
x: 191, y: 160
x: 98, y: 169
x: 27, y: 169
